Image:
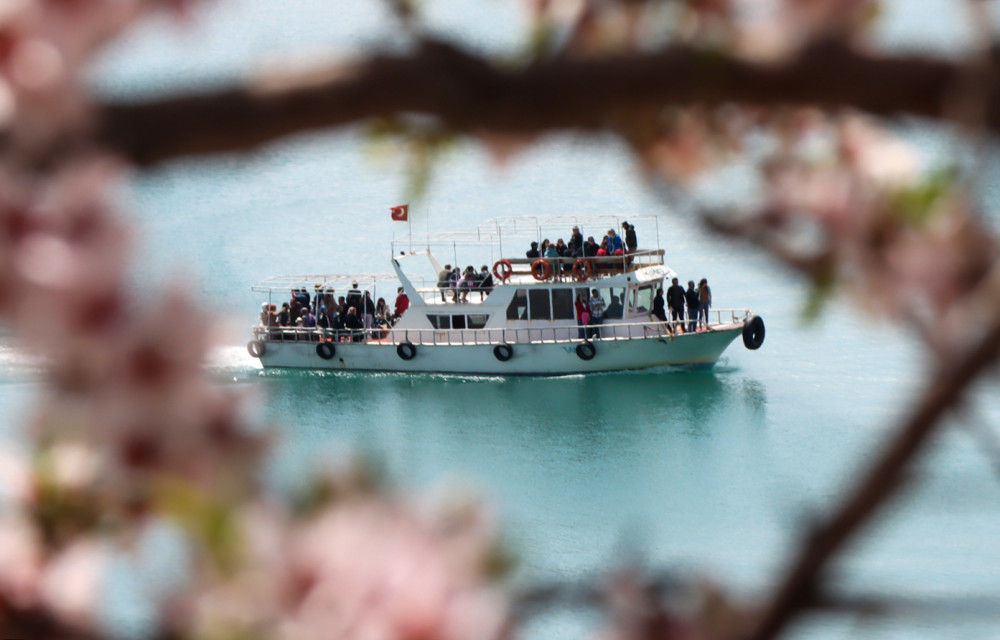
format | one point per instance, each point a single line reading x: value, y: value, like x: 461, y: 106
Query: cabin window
x: 440, y: 322
x: 562, y: 304
x: 518, y: 307
x: 472, y: 321
x: 614, y: 298
x: 644, y: 299
x: 539, y: 307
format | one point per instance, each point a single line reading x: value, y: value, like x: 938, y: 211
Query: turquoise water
x: 708, y: 472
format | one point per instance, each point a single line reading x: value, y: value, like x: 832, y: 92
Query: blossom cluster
x: 129, y: 435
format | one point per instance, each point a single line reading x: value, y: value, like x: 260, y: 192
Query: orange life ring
x: 502, y: 269
x: 583, y: 270
x: 541, y: 270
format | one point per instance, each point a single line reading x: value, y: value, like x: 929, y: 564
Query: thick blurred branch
x: 468, y: 93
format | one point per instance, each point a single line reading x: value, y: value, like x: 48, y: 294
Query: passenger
x: 590, y: 247
x: 563, y: 252
x: 317, y: 300
x: 615, y: 310
x: 323, y: 319
x: 454, y: 279
x: 354, y: 325
x: 284, y: 317
x: 675, y: 300
x: 575, y: 245
x: 532, y: 253
x: 691, y: 297
x: 341, y: 307
x: 597, y: 306
x: 550, y: 250
x: 704, y: 302
x: 355, y: 298
x: 402, y: 304
x: 582, y: 314
x: 265, y: 315
x: 339, y: 324
x: 368, y: 315
x: 630, y: 240
x: 383, y: 319
x: 308, y: 319
x: 659, y: 308
x: 602, y: 251
x: 329, y: 299
x: 444, y: 276
x: 468, y: 282
x: 382, y: 310
x: 485, y: 282
x: 614, y: 243
x: 301, y: 295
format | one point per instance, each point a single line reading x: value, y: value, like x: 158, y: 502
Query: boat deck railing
x: 562, y: 268
x: 652, y: 329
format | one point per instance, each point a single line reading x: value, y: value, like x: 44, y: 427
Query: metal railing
x: 561, y: 270
x: 652, y: 329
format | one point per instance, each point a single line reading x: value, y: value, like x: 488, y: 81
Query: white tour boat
x: 526, y: 324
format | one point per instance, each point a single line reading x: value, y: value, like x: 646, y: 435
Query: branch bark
x: 469, y: 94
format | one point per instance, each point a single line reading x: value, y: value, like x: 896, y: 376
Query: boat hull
x: 549, y: 358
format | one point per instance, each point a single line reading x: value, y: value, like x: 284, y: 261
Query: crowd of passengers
x: 349, y: 317
x: 611, y: 245
x: 593, y: 310
x: 458, y: 284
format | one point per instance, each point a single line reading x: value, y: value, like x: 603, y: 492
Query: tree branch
x: 946, y: 388
x: 467, y: 93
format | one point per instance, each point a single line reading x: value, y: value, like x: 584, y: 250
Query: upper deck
x: 422, y: 256
x: 418, y: 259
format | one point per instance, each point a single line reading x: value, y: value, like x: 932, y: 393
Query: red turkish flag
x: 400, y: 213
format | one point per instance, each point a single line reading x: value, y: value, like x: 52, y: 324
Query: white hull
x: 549, y: 358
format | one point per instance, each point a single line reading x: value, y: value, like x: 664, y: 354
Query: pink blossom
x: 69, y: 585
x: 21, y: 560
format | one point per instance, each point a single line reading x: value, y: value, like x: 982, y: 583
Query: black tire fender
x: 406, y: 350
x: 326, y: 350
x: 256, y: 348
x: 753, y: 333
x: 586, y: 350
x: 503, y: 352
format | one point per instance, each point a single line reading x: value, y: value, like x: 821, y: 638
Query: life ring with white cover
x: 586, y: 350
x: 753, y: 333
x: 541, y: 270
x: 255, y: 348
x: 406, y: 350
x: 503, y: 269
x: 583, y: 270
x: 326, y: 350
x: 503, y: 352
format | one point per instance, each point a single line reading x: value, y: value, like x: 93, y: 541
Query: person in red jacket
x: 402, y: 304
